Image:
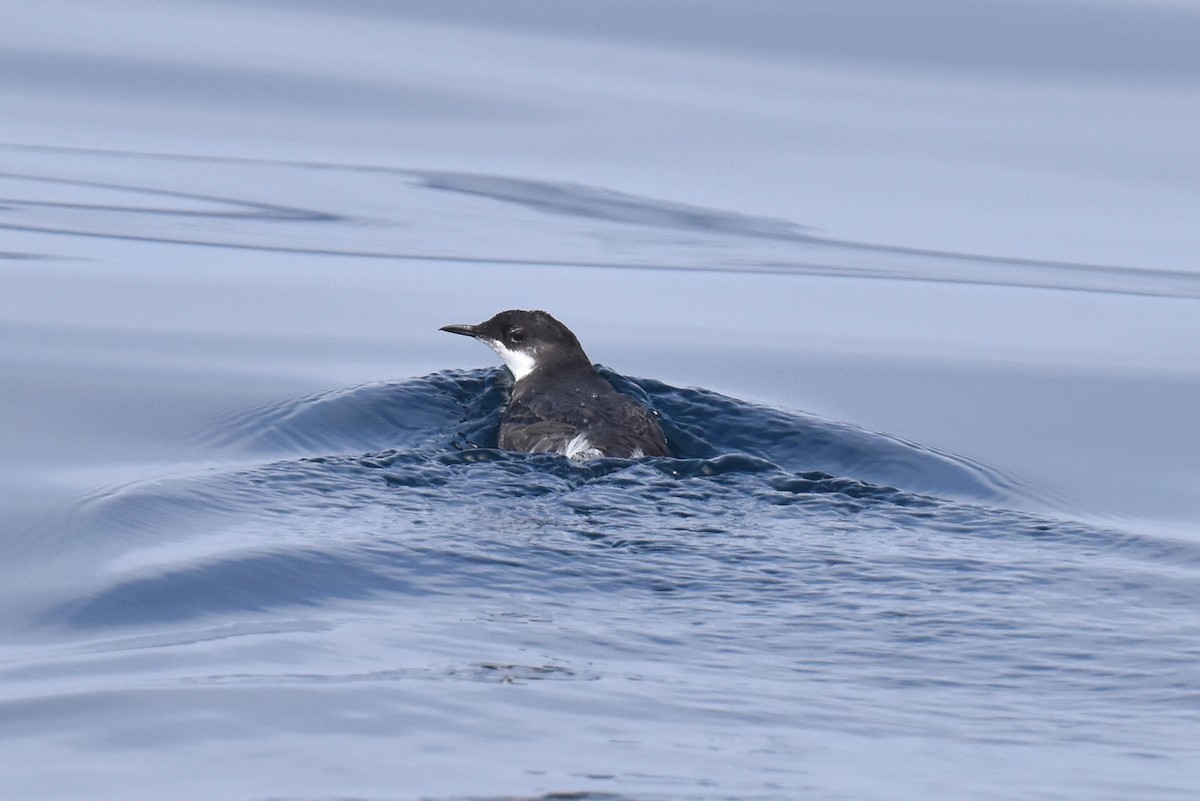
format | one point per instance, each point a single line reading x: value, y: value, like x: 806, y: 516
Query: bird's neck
x: 573, y: 369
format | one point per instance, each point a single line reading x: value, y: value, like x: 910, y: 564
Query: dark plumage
x: 559, y: 403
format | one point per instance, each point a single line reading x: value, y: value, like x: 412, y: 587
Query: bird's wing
x: 530, y: 424
x: 634, y: 426
x: 612, y: 421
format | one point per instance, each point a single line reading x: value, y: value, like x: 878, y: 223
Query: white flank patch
x: 518, y: 363
x: 579, y: 448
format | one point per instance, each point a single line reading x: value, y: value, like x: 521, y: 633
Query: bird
x: 560, y: 403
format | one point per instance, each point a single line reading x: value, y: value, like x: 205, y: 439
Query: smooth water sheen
x: 912, y: 287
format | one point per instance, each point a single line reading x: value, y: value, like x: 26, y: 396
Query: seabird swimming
x: 560, y: 403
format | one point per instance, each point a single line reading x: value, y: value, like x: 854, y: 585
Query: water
x: 918, y: 312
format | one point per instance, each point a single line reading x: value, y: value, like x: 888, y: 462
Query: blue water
x: 912, y: 287
x: 368, y: 565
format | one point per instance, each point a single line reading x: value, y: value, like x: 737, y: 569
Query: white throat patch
x: 518, y: 363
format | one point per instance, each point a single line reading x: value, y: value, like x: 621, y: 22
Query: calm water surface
x: 913, y: 288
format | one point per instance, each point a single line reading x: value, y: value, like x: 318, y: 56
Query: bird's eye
x: 516, y: 335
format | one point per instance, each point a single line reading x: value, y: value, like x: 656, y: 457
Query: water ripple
x: 762, y: 506
x: 178, y: 208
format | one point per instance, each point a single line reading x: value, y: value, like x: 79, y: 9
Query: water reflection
x: 671, y: 236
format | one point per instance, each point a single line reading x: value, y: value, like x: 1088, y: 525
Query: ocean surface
x: 914, y: 287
